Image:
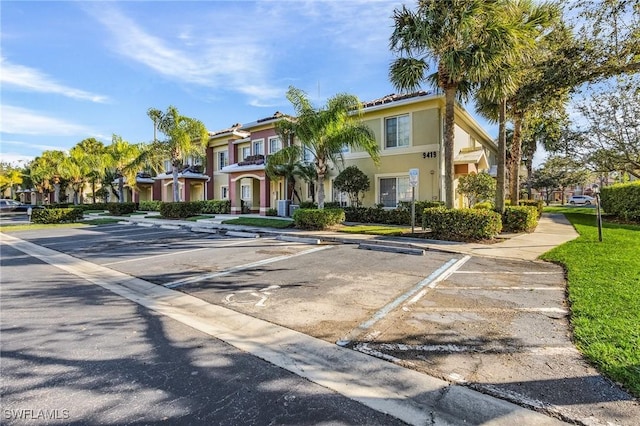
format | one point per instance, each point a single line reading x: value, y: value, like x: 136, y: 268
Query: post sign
x: 413, y: 177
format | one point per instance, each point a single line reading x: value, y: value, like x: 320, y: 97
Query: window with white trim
x: 167, y: 166
x: 223, y: 159
x: 246, y: 151
x: 397, y: 131
x: 224, y: 192
x: 342, y: 198
x: 275, y: 145
x: 394, y: 190
x: 245, y: 192
x: 258, y: 147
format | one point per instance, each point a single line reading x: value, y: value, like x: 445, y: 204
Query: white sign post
x: 413, y: 181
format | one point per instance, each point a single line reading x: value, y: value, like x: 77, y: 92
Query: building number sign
x: 430, y: 154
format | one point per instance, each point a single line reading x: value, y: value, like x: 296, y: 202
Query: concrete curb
x: 392, y: 249
x: 292, y: 239
x: 241, y: 234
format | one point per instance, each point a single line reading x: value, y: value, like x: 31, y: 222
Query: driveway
x: 499, y: 326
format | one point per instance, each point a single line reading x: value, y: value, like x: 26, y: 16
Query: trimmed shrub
x: 332, y: 205
x: 315, y: 219
x: 179, y: 210
x: 56, y: 215
x: 538, y: 204
x: 520, y: 219
x: 214, y: 206
x: 378, y: 215
x: 308, y: 205
x: 150, y: 206
x: 486, y: 205
x: 272, y: 212
x: 622, y: 200
x: 118, y: 209
x: 462, y: 224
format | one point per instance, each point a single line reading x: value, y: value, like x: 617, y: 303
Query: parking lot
x: 500, y: 326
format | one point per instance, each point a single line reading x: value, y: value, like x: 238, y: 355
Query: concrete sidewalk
x: 553, y: 230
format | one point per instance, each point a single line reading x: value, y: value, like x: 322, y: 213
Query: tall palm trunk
x: 121, y: 189
x: 449, y: 169
x: 321, y: 169
x: 502, y: 156
x: 516, y: 155
x: 176, y: 190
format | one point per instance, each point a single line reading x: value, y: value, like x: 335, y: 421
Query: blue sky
x: 72, y: 70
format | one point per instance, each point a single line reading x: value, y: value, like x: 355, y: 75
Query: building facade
x: 409, y: 130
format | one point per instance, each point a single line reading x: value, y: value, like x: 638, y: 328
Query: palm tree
x: 123, y: 156
x: 468, y: 40
x: 9, y: 177
x: 75, y: 168
x: 96, y: 159
x: 185, y: 137
x: 44, y: 172
x: 285, y: 164
x: 324, y: 132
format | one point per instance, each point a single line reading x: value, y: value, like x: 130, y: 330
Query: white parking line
x: 198, y: 278
x: 435, y: 277
x: 235, y: 243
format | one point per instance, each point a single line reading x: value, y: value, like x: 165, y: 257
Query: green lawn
x: 604, y: 293
x: 260, y: 222
x: 375, y: 230
x: 35, y: 226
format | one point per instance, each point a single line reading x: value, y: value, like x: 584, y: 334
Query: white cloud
x: 229, y: 61
x: 23, y: 144
x: 16, y: 159
x: 22, y: 121
x: 31, y: 79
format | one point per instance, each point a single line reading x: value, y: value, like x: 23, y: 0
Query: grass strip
x: 604, y: 293
x: 260, y: 222
x: 374, y: 230
x: 36, y: 226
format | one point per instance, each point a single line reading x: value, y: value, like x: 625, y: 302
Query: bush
x: 179, y: 210
x: 118, y: 209
x: 486, y: 205
x: 272, y: 212
x: 214, y: 206
x: 332, y: 205
x: 378, y: 215
x: 56, y: 215
x: 622, y: 200
x: 520, y: 219
x: 150, y: 206
x: 538, y: 204
x: 462, y: 224
x: 308, y: 205
x: 315, y: 219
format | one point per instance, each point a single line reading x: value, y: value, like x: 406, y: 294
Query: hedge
x: 520, y: 219
x: 150, y: 206
x: 56, y: 215
x: 214, y: 206
x: 622, y: 200
x: 398, y: 216
x: 119, y: 209
x: 461, y: 224
x: 315, y: 219
x: 538, y: 204
x: 180, y: 210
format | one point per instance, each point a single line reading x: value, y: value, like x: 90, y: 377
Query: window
x: 245, y: 192
x: 396, y: 131
x: 167, y: 166
x: 223, y: 159
x: 194, y: 161
x: 258, y: 147
x: 224, y: 192
x: 307, y: 156
x: 275, y: 145
x: 393, y: 190
x: 342, y: 198
x: 246, y: 151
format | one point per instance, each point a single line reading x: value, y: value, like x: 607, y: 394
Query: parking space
x: 499, y: 325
